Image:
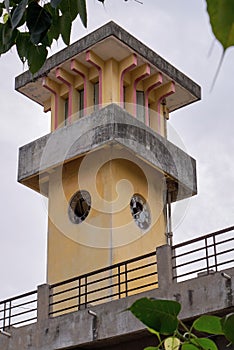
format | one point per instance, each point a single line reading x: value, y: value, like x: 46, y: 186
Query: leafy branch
x: 32, y: 27
x: 161, y: 319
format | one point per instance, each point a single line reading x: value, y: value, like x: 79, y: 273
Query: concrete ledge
x: 207, y: 294
x: 111, y: 126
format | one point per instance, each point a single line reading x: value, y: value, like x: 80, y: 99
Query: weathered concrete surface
x: 113, y: 127
x: 117, y: 328
x: 111, y: 29
x: 207, y: 294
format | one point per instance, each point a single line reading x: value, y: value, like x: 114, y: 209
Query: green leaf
x: 69, y: 7
x: 208, y: 324
x: 36, y: 57
x: 204, y: 343
x: 82, y: 11
x: 65, y: 25
x: 160, y: 315
x: 221, y: 14
x: 228, y: 327
x: 54, y: 30
x: 7, y: 37
x: 22, y: 44
x: 188, y: 346
x: 18, y: 13
x: 151, y: 348
x: 38, y: 21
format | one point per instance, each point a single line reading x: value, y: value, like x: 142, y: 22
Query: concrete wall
x: 110, y: 125
x: 116, y: 328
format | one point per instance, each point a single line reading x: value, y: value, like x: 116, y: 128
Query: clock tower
x: 107, y: 168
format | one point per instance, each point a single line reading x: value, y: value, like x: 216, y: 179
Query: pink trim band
x: 159, y: 104
x: 73, y: 68
x: 127, y: 69
x: 88, y: 59
x: 70, y: 91
x: 147, y: 92
x: 141, y: 77
x: 56, y: 101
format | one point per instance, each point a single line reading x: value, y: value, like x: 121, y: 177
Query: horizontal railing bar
x: 203, y: 269
x: 18, y: 297
x: 190, y: 273
x: 102, y: 298
x: 20, y: 305
x: 63, y: 291
x: 231, y: 228
x: 100, y: 289
x: 190, y: 252
x: 202, y: 248
x: 123, y: 263
x: 100, y: 280
x: 145, y: 286
x: 20, y: 313
x: 189, y: 262
x: 222, y: 263
x: 23, y: 321
x: 202, y: 259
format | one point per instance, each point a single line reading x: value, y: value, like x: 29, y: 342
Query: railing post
x: 43, y: 302
x: 164, y: 266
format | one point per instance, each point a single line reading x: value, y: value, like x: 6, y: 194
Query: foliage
x: 161, y: 319
x: 33, y: 26
x: 221, y: 13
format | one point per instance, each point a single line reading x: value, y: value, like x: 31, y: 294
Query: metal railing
x: 18, y: 310
x: 204, y: 255
x: 106, y: 284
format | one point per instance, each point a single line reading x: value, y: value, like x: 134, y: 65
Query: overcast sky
x: 179, y: 31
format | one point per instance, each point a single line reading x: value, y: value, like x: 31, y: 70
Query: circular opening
x: 140, y: 211
x: 79, y: 207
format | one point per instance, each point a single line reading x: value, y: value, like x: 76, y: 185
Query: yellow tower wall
x: 109, y: 234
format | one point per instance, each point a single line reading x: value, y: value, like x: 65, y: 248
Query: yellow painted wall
x: 109, y: 233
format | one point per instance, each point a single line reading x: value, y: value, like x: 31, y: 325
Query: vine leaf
x: 82, y: 12
x: 65, y: 24
x: 38, y: 21
x: 188, y: 346
x: 208, y: 324
x: 22, y: 45
x: 228, y: 326
x: 18, y: 13
x: 204, y: 343
x: 160, y: 315
x: 36, y: 57
x: 221, y: 13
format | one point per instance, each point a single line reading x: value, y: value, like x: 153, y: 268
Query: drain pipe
x: 5, y: 333
x: 169, y: 233
x: 94, y: 324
